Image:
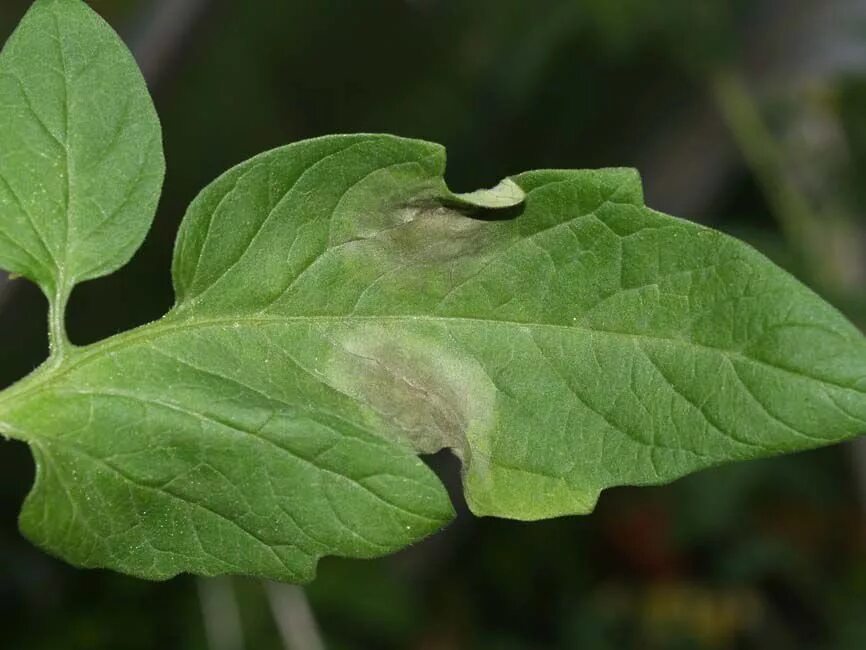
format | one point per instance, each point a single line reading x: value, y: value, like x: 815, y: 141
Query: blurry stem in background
x: 294, y: 617
x: 827, y: 243
x: 162, y: 33
x: 761, y: 153
x: 829, y: 246
x: 221, y: 615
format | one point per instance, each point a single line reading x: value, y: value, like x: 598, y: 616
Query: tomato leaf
x: 340, y: 311
x: 81, y: 163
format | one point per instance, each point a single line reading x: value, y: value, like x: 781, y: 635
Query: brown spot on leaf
x: 430, y: 395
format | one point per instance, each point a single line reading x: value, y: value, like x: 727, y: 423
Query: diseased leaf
x: 340, y: 311
x: 589, y: 342
x: 81, y: 162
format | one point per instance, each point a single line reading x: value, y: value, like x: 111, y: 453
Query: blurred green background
x: 747, y: 116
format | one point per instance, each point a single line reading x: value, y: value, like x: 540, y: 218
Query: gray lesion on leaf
x: 427, y: 394
x: 444, y: 228
x: 418, y: 220
x: 432, y: 232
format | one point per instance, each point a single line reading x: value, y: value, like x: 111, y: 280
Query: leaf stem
x: 58, y: 341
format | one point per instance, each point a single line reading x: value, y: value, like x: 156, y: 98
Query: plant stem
x: 765, y: 159
x: 821, y: 238
x: 294, y: 617
x: 58, y: 341
x: 220, y: 613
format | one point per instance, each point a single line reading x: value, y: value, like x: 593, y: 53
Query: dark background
x: 748, y: 116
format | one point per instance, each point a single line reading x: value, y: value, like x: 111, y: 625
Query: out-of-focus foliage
x: 766, y: 554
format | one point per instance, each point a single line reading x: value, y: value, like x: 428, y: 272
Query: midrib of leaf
x: 57, y: 338
x: 42, y: 379
x: 65, y: 141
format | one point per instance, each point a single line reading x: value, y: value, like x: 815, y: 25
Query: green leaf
x: 81, y: 161
x: 340, y: 311
x: 588, y: 343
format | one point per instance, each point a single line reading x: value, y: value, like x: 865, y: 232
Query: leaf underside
x: 340, y: 311
x: 81, y: 162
